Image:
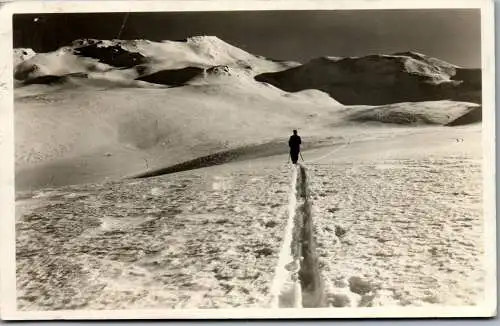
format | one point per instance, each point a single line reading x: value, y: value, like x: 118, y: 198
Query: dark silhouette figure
x: 294, y: 143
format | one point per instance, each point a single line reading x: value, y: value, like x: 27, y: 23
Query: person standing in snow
x: 294, y: 144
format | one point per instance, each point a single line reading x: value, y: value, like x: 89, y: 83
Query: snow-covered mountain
x: 131, y: 59
x: 382, y: 79
x: 22, y: 54
x: 369, y: 80
x: 174, y: 101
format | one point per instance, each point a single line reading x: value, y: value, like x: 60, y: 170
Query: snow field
x: 396, y: 221
x: 189, y: 240
x: 411, y: 235
x: 404, y: 230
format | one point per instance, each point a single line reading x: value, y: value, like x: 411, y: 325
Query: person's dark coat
x: 294, y: 143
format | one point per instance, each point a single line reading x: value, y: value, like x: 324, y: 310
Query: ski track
x: 297, y: 280
x: 309, y: 274
x: 286, y: 289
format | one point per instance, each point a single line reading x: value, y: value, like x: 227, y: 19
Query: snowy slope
x: 84, y: 131
x: 401, y: 224
x: 89, y: 132
x: 408, y: 113
x: 396, y: 222
x: 381, y: 79
x: 104, y: 109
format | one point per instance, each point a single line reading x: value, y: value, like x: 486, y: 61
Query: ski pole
x: 301, y: 156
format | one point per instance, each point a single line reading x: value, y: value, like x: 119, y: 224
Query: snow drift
x: 382, y: 79
x: 419, y: 113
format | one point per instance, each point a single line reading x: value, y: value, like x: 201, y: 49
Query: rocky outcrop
x: 173, y: 77
x: 114, y: 55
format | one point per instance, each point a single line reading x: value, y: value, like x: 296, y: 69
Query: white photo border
x: 8, y: 301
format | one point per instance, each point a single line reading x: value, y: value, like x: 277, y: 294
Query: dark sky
x: 453, y: 35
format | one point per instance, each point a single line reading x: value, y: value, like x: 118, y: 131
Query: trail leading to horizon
x: 366, y: 220
x: 154, y: 175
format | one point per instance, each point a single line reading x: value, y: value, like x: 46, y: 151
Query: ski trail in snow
x: 309, y: 273
x: 285, y: 290
x: 299, y: 261
x: 297, y: 282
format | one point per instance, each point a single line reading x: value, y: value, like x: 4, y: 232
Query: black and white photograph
x: 230, y: 161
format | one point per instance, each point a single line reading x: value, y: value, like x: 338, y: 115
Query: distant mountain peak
x: 204, y: 38
x: 411, y: 54
x: 378, y: 79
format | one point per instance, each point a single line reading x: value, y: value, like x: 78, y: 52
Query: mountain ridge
x: 381, y: 79
x: 375, y: 79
